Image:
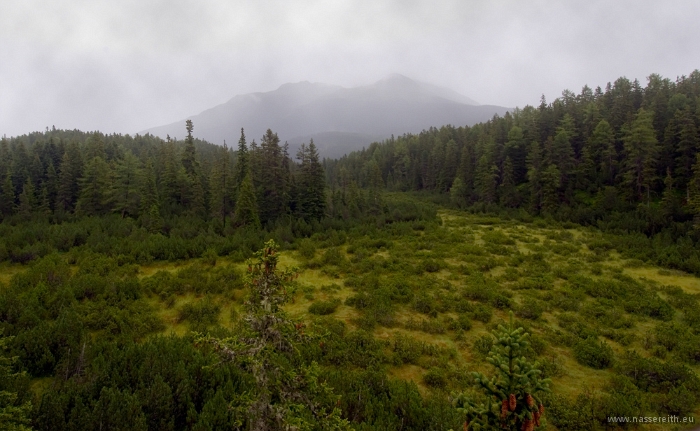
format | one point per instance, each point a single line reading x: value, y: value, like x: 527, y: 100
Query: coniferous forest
x: 537, y: 271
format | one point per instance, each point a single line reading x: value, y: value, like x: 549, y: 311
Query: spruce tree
x: 246, y: 206
x: 242, y: 161
x: 376, y: 184
x: 486, y: 180
x: 271, y: 185
x: 641, y: 154
x: 148, y: 189
x: 694, y: 193
x: 513, y: 393
x: 603, y: 152
x: 267, y: 345
x: 125, y: 193
x: 458, y: 193
x: 688, y: 144
x: 310, y: 184
x: 534, y: 176
x: 7, y: 196
x: 507, y: 191
x: 51, y: 185
x: 189, y: 156
x: 27, y: 200
x: 221, y: 187
x: 70, y: 172
x: 550, y: 179
x: 94, y: 189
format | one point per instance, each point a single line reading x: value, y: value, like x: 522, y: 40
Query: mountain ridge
x: 339, y: 119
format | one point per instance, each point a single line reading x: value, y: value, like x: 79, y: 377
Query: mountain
x: 338, y: 119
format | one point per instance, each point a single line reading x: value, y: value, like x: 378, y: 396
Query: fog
x: 129, y: 65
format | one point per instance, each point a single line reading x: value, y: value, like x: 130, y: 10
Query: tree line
x: 64, y: 175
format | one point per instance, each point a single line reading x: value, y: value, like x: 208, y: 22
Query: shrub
x: 307, y: 248
x: 204, y: 312
x: 323, y: 308
x: 483, y: 344
x: 435, y: 378
x: 592, y: 353
x: 482, y: 313
x: 530, y: 309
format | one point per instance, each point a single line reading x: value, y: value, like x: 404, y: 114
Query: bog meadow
x: 536, y: 271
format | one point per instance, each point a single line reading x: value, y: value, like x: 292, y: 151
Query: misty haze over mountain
x: 339, y: 119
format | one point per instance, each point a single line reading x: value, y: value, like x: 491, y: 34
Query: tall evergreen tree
x: 94, y: 189
x: 125, y: 193
x: 687, y: 144
x: 272, y: 182
x: 242, y: 161
x: 221, y: 187
x: 189, y: 155
x: 246, y: 206
x: 641, y: 155
x: 70, y: 171
x: 534, y: 175
x: 507, y: 191
x: 51, y: 186
x: 486, y: 179
x: 27, y: 200
x: 7, y: 196
x: 603, y: 152
x: 310, y: 184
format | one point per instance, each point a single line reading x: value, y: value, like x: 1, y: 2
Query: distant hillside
x: 339, y: 119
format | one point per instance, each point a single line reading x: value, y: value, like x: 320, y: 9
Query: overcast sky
x: 123, y: 66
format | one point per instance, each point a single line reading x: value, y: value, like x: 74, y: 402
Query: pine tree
x: 267, y: 346
x: 246, y: 206
x: 513, y: 393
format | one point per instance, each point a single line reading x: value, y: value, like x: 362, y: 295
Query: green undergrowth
x: 414, y: 301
